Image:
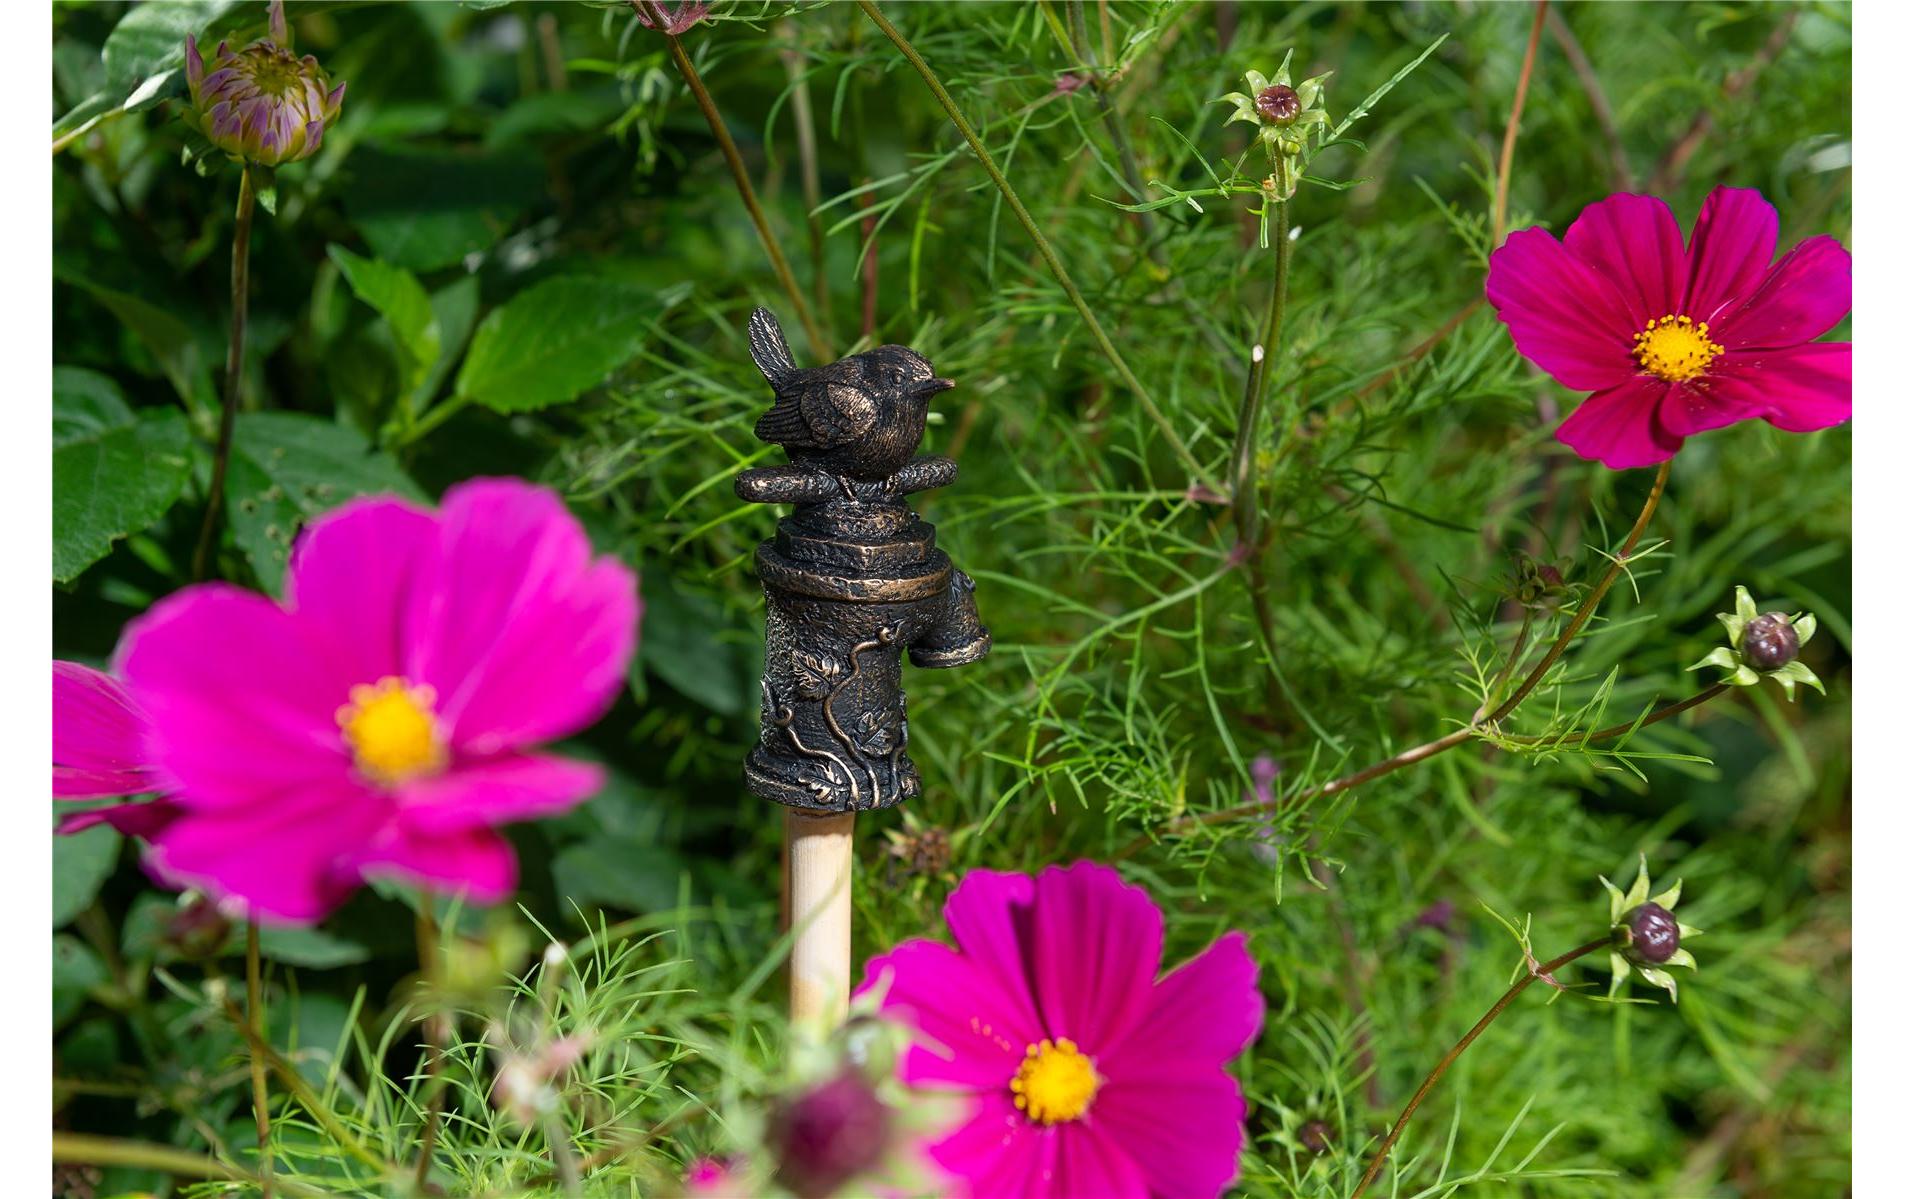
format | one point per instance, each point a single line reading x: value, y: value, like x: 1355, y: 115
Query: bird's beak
x: 933, y: 386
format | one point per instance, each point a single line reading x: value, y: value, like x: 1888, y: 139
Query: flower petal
x: 1732, y: 242
x: 1207, y: 1010
x: 1635, y: 242
x: 1186, y: 1133
x: 972, y: 1035
x: 1090, y: 1165
x: 1805, y: 294
x: 241, y: 706
x: 496, y: 791
x: 147, y: 819
x: 1565, y: 316
x: 1621, y: 426
x: 98, y: 736
x: 351, y: 575
x: 286, y: 860
x: 997, y: 1154
x: 1095, y: 946
x: 1797, y: 388
x: 524, y: 639
x: 477, y: 861
x: 990, y: 916
x: 1704, y: 405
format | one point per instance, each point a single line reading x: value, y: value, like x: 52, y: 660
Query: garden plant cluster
x: 1403, y: 464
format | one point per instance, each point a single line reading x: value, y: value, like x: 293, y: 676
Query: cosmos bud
x: 1769, y: 641
x: 823, y: 1137
x: 1654, y: 933
x: 262, y: 104
x: 1317, y: 1136
x: 1279, y: 105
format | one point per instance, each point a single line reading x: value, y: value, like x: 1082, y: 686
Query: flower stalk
x: 1468, y: 1038
x: 1193, y: 469
x: 255, y: 1019
x: 234, y: 371
x: 816, y: 337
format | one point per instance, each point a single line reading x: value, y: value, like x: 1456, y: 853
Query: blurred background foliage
x: 520, y: 251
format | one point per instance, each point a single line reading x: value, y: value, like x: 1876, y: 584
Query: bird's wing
x: 783, y: 424
x: 837, y: 414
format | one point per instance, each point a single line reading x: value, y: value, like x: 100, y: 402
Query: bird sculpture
x: 859, y: 418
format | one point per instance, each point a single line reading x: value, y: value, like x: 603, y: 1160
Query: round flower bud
x: 1278, y: 104
x: 1769, y: 642
x: 263, y: 103
x: 1317, y: 1136
x: 826, y: 1136
x: 1655, y: 934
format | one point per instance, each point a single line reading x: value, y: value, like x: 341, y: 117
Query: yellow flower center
x: 1675, y: 349
x: 391, y: 728
x: 1055, y: 1082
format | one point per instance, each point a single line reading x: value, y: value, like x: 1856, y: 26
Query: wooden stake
x: 819, y: 879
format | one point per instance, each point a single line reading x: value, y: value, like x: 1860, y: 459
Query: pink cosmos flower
x: 99, y: 752
x: 1090, y: 1075
x: 383, y: 718
x: 1675, y: 341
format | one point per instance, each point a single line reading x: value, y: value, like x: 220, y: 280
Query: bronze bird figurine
x: 861, y: 417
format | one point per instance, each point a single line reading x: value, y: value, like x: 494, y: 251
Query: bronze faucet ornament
x: 853, y: 576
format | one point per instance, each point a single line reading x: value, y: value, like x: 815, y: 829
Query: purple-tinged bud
x: 1769, y: 641
x: 263, y: 103
x: 824, y: 1137
x: 1654, y: 934
x: 1279, y: 105
x: 199, y: 929
x: 1317, y: 1136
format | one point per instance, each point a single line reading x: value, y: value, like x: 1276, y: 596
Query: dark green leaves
x: 114, y: 471
x: 81, y: 863
x: 555, y: 341
x: 395, y: 292
x: 310, y: 947
x: 287, y: 467
x: 425, y: 209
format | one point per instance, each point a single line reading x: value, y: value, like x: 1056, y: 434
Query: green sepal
x: 1687, y: 930
x: 1720, y: 656
x: 1743, y: 605
x: 1637, y: 894
x: 1670, y: 896
x: 1255, y: 81
x: 1283, y: 70
x: 1681, y: 958
x: 1619, y: 970
x: 1660, y: 978
x: 1615, y: 898
x: 1309, y: 93
x: 1797, y: 672
x: 1744, y: 676
x: 1806, y: 625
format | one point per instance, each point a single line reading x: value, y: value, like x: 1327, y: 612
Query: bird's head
x: 900, y: 371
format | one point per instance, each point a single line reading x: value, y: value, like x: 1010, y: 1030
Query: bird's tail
x: 769, y: 347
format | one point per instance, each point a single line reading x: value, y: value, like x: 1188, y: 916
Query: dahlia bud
x: 1769, y: 641
x: 1279, y: 105
x: 262, y: 104
x: 826, y: 1136
x: 1653, y: 933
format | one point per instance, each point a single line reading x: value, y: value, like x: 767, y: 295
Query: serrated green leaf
x: 81, y: 863
x: 115, y: 471
x: 403, y: 303
x: 555, y: 341
x: 287, y: 467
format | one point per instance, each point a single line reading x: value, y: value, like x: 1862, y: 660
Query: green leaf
x: 395, y: 293
x: 114, y: 471
x: 287, y: 467
x: 425, y: 209
x: 309, y: 947
x: 554, y: 341
x: 173, y: 343
x: 680, y: 645
x: 632, y: 877
x: 76, y: 970
x: 81, y: 864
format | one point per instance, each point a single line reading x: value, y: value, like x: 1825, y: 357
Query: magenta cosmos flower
x: 384, y: 717
x: 99, y: 752
x: 1091, y: 1076
x: 1674, y: 341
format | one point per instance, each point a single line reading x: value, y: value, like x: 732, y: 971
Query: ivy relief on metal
x: 853, y: 577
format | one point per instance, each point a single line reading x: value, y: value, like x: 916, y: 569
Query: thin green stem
x: 433, y: 1031
x: 1617, y: 563
x: 1499, y: 226
x: 1192, y: 467
x: 1653, y: 717
x: 234, y: 372
x: 86, y: 1149
x: 801, y: 101
x: 1243, y: 461
x: 1455, y: 1051
x: 815, y: 336
x: 255, y: 1019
